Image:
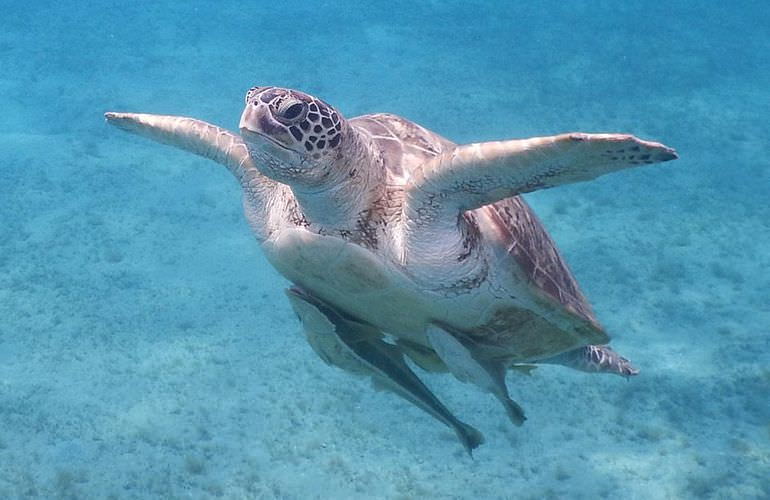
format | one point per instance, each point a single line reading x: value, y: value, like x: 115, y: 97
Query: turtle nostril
x: 252, y: 92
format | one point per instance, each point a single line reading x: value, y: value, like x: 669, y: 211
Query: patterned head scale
x: 293, y: 119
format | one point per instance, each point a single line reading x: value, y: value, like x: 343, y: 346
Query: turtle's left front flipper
x: 475, y: 175
x: 359, y: 348
x: 212, y: 142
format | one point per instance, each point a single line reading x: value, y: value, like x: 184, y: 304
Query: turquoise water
x: 146, y: 347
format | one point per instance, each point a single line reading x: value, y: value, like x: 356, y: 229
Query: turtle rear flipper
x: 594, y: 359
x: 359, y: 348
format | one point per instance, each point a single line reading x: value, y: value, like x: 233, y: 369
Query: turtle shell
x: 560, y: 318
x: 536, y: 254
x: 407, y: 145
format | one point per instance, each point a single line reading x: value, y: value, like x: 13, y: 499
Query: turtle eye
x: 291, y: 111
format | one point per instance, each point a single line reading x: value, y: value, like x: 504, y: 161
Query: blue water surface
x: 146, y: 347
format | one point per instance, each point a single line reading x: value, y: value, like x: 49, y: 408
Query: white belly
x: 358, y: 282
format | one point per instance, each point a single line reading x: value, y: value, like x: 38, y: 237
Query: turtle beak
x: 262, y: 133
x: 250, y: 118
x: 259, y: 120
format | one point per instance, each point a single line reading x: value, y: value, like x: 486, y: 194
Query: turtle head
x: 295, y: 138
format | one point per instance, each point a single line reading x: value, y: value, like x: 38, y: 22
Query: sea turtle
x: 399, y: 242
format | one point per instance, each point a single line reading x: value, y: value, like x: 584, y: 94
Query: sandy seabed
x: 146, y: 348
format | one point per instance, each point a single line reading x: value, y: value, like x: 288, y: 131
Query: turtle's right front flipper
x: 359, y: 348
x: 190, y: 134
x: 217, y: 144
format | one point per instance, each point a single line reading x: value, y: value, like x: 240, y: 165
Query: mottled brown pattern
x: 368, y: 225
x: 521, y: 331
x: 469, y: 227
x: 294, y: 213
x: 466, y: 285
x: 536, y: 254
